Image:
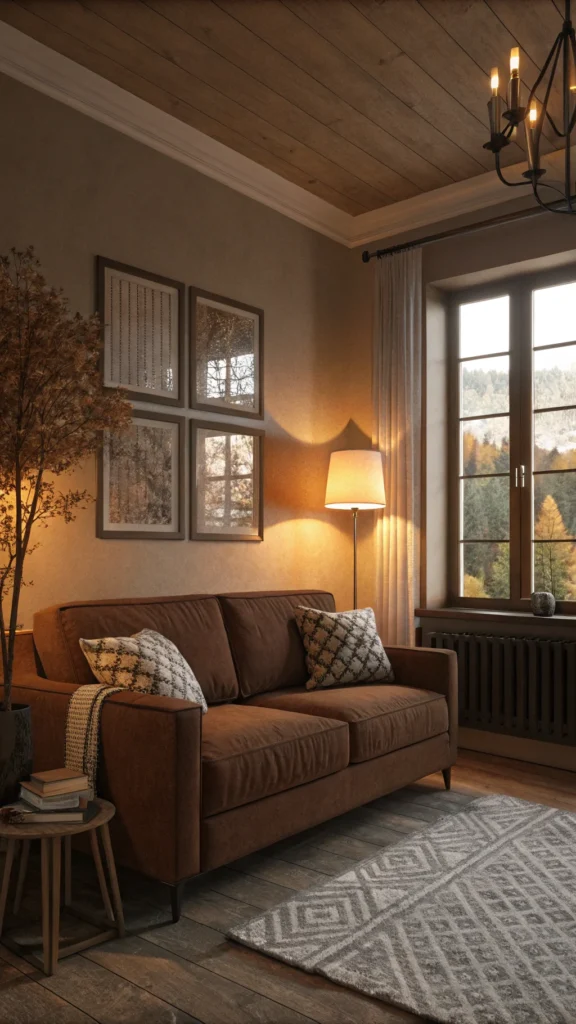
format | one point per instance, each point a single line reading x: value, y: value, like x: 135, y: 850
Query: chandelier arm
x: 510, y: 184
x: 573, y: 45
x: 554, y: 52
x: 545, y: 206
x: 549, y: 88
x: 566, y: 113
x: 554, y: 188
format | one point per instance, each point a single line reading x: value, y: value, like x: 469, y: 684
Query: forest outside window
x: 513, y: 410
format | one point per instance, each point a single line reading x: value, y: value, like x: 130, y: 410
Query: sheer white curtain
x: 397, y: 433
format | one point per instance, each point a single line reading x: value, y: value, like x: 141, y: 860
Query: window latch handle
x: 520, y: 476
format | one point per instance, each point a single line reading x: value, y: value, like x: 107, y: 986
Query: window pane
x: 555, y: 506
x: 555, y: 569
x: 486, y: 508
x: 484, y: 327
x: 242, y: 502
x: 484, y: 386
x: 555, y: 439
x: 555, y: 377
x: 486, y: 446
x: 486, y: 570
x: 555, y: 314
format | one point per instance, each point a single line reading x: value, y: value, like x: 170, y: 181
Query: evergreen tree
x: 499, y: 582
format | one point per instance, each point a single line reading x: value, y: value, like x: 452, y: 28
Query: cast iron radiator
x: 522, y: 687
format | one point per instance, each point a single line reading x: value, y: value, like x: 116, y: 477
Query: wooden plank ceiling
x: 361, y: 102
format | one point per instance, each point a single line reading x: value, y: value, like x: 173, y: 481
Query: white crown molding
x: 52, y: 73
x: 63, y: 79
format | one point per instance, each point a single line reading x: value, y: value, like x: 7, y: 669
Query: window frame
x: 519, y: 289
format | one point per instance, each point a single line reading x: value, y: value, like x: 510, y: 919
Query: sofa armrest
x: 430, y: 668
x: 149, y: 768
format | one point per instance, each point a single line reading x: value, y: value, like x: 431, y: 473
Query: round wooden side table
x: 51, y: 836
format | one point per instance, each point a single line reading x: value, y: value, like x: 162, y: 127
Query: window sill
x: 494, y: 615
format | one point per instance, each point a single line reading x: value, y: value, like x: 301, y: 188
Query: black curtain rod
x: 451, y: 233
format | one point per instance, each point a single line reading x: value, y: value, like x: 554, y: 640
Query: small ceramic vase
x: 543, y: 603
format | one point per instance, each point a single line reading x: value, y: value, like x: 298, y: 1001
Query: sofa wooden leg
x: 447, y: 773
x: 176, y: 894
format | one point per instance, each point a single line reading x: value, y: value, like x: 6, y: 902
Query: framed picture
x: 141, y: 480
x: 226, y: 364
x: 143, y: 323
x: 226, y: 478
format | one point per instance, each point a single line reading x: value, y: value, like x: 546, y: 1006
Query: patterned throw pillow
x: 146, y: 661
x: 342, y: 648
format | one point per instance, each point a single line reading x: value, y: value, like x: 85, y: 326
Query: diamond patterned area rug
x: 471, y: 921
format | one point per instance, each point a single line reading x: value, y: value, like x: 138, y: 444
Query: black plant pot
x: 15, y: 750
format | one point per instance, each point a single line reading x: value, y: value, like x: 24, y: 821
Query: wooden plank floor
x: 189, y: 972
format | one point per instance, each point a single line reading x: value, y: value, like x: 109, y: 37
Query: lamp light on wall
x: 355, y: 482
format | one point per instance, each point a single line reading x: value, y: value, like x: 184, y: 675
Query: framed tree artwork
x: 143, y: 325
x: 227, y: 351
x: 227, y: 482
x: 141, y: 480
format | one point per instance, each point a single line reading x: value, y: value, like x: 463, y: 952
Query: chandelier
x: 535, y: 114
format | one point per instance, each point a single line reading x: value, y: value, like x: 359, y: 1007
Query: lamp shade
x: 355, y: 480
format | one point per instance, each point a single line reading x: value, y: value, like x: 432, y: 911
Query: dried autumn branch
x: 53, y: 414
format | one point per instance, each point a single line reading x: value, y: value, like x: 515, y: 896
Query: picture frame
x: 227, y: 496
x: 141, y: 480
x: 226, y: 355
x: 143, y: 326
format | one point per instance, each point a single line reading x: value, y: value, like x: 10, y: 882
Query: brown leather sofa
x: 268, y: 759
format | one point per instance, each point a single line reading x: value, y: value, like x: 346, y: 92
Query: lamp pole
x: 355, y: 521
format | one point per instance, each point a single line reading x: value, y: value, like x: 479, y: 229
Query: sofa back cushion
x: 266, y: 645
x: 194, y: 624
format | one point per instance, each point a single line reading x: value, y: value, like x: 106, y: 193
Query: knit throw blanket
x: 83, y: 728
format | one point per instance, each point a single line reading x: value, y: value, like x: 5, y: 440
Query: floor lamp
x: 355, y: 482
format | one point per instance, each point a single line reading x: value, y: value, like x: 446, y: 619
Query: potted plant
x: 53, y: 411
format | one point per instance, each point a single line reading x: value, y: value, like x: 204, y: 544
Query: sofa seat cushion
x: 380, y: 718
x: 252, y: 752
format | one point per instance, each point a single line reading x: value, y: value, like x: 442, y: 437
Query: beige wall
x: 74, y: 188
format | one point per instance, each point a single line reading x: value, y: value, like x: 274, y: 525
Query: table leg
x: 67, y: 871
x: 101, y: 876
x: 116, y: 898
x: 55, y: 922
x: 24, y: 854
x: 10, y: 849
x: 45, y: 861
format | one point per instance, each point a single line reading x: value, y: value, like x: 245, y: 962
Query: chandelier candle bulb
x: 494, y: 102
x: 530, y: 127
x: 514, y: 78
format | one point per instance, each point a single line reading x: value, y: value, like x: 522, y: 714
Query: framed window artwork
x: 141, y: 480
x: 143, y: 324
x: 226, y: 363
x: 227, y: 482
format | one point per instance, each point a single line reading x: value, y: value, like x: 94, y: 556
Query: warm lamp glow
x: 533, y: 115
x: 515, y: 58
x: 494, y: 81
x: 355, y: 480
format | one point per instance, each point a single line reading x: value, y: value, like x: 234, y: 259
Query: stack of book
x: 58, y: 795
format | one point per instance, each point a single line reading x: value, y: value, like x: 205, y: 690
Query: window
x: 513, y: 437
